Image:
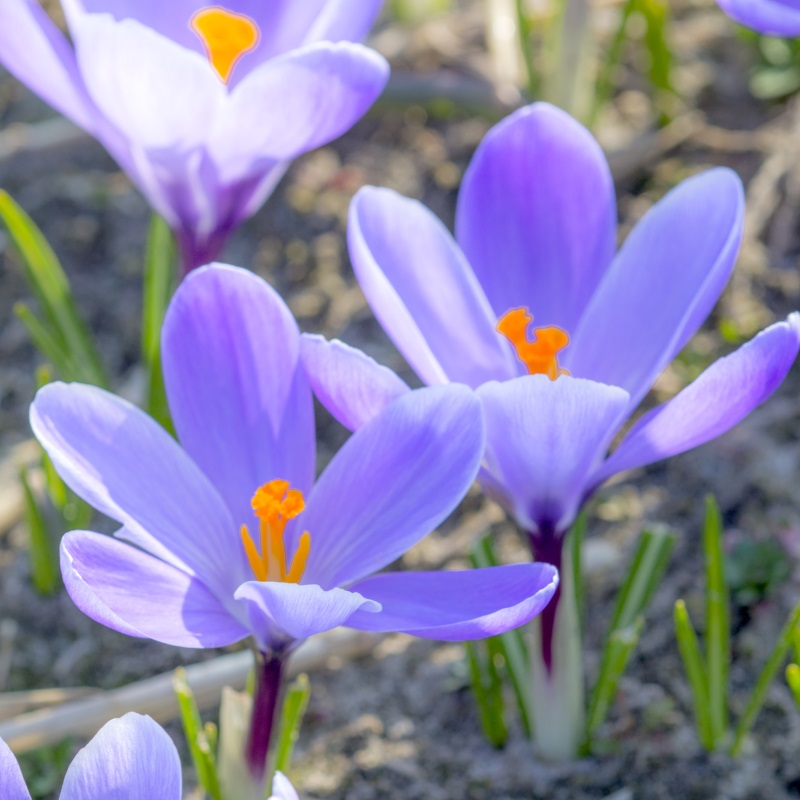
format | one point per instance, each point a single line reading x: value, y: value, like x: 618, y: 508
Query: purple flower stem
x: 266, y: 701
x: 547, y: 546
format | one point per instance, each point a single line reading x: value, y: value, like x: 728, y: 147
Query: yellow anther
x: 275, y: 504
x: 540, y: 356
x: 227, y: 36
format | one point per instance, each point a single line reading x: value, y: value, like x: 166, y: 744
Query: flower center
x: 540, y: 356
x: 227, y: 36
x: 275, y: 504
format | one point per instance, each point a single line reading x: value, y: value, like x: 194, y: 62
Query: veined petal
x: 282, y: 789
x: 770, y: 17
x: 720, y: 398
x: 123, y: 463
x: 423, y: 291
x: 158, y: 94
x: 662, y: 285
x: 239, y: 398
x: 11, y: 780
x: 281, y: 613
x: 544, y: 439
x: 392, y: 483
x: 135, y: 593
x: 36, y: 52
x: 320, y: 90
x: 351, y: 385
x: 456, y: 606
x: 537, y: 215
x: 130, y: 758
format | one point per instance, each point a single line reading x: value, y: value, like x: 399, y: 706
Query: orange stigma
x: 275, y: 504
x: 227, y: 36
x: 540, y: 356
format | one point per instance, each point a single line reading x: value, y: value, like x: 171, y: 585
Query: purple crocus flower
x: 771, y: 17
x: 282, y: 789
x: 227, y: 536
x: 536, y: 237
x: 130, y: 757
x: 202, y: 105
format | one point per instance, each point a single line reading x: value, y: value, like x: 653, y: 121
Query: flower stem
x: 557, y: 659
x: 266, y: 697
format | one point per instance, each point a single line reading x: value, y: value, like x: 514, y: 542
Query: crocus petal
x: 120, y: 461
x: 171, y: 96
x: 282, y: 789
x: 135, y: 593
x: 455, y: 606
x: 36, y: 52
x: 284, y: 612
x: 765, y: 16
x: 720, y: 398
x: 392, y: 483
x: 341, y: 20
x: 423, y: 292
x: 544, y: 438
x: 662, y: 285
x: 350, y: 384
x: 537, y: 215
x: 238, y: 395
x: 130, y: 758
x: 294, y: 103
x: 11, y: 780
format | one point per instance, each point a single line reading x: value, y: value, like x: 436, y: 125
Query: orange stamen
x: 227, y: 36
x: 540, y: 356
x: 275, y: 504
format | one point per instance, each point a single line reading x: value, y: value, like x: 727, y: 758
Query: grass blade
x: 50, y: 285
x: 203, y: 753
x: 510, y: 645
x: 696, y: 673
x: 793, y: 679
x: 488, y: 691
x: 159, y: 281
x: 618, y: 650
x: 718, y: 645
x: 768, y: 673
x: 644, y: 575
x: 294, y: 709
x: 45, y: 573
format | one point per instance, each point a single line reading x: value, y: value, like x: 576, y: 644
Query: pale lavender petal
x: 392, y: 483
x: 130, y: 758
x: 11, y: 781
x: 351, y: 385
x: 124, y: 464
x: 295, y: 103
x: 281, y: 613
x: 237, y: 392
x: 282, y: 789
x: 135, y: 593
x: 456, y: 606
x: 544, y: 439
x: 341, y: 20
x: 662, y: 285
x: 720, y: 398
x: 423, y: 291
x: 770, y: 17
x: 537, y: 215
x: 172, y: 97
x: 36, y: 52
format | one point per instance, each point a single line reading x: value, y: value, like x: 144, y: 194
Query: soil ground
x: 402, y: 722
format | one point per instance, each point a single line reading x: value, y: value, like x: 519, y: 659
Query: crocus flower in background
x: 536, y: 237
x: 282, y: 789
x: 202, y: 105
x: 130, y: 757
x: 770, y: 17
x: 228, y: 536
